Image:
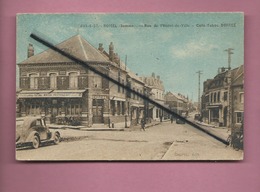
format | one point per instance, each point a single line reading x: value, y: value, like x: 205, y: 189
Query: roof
x: 134, y: 76
x: 177, y: 96
x: 238, y: 76
x: 153, y: 82
x: 76, y: 45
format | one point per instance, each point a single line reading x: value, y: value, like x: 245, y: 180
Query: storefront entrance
x: 97, y: 111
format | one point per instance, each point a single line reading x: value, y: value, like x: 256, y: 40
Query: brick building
x: 52, y: 85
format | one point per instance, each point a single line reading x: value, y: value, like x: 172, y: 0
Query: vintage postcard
x: 126, y: 87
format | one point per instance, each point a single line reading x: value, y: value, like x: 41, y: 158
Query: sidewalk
x: 221, y: 132
x: 101, y: 127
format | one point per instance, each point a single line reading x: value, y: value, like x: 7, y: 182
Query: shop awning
x: 117, y: 98
x: 51, y: 94
x: 136, y: 105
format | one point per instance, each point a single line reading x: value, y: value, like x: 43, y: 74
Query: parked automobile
x: 34, y: 132
x: 197, y: 117
x: 180, y: 121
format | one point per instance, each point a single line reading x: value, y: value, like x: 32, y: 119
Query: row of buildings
x: 222, y: 101
x: 62, y: 90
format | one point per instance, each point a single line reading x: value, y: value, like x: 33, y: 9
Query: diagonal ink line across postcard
x: 143, y: 96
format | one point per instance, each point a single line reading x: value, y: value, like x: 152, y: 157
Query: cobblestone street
x: 162, y: 142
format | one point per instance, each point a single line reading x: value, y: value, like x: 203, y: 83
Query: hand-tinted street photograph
x: 130, y: 87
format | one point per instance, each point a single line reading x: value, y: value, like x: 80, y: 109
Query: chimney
x: 111, y: 52
x: 153, y: 75
x: 30, y: 50
x: 158, y: 77
x: 100, y: 47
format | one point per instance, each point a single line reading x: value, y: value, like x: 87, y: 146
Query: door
x: 225, y: 117
x: 97, y: 111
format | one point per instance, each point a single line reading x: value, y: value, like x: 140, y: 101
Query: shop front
x: 62, y: 107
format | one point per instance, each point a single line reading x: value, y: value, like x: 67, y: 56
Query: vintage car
x: 33, y: 132
x: 179, y: 120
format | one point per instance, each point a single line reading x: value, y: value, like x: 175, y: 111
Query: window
x: 33, y: 81
x: 73, y: 80
x: 123, y: 82
x: 97, y: 81
x: 113, y: 107
x: 53, y: 80
x: 239, y: 117
x: 225, y: 95
x: 241, y: 95
x: 157, y: 113
x: 38, y: 122
x: 74, y: 107
x: 119, y: 81
x: 218, y: 96
x: 215, y: 97
x: 43, y: 81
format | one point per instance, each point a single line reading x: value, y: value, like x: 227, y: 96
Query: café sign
x: 49, y: 95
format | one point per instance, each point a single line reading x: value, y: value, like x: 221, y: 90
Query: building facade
x: 156, y: 92
x: 63, y: 91
x: 219, y: 101
x: 177, y: 103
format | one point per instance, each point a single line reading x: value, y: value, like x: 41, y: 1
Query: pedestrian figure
x: 160, y: 118
x: 143, y: 124
x: 171, y: 119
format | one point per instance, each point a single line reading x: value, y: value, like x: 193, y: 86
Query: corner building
x: 53, y: 86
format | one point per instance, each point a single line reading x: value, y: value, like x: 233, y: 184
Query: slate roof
x: 76, y: 46
x: 238, y: 76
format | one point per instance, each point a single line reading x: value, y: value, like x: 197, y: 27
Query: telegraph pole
x: 229, y: 116
x: 199, y: 104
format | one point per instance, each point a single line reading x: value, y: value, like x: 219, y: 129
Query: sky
x: 172, y: 45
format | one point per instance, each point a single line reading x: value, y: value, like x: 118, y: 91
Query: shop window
x: 112, y: 106
x: 53, y: 80
x: 74, y: 109
x: 73, y: 80
x: 123, y: 108
x: 118, y: 107
x: 33, y: 81
x: 157, y: 113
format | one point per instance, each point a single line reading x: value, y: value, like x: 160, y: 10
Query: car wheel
x: 56, y: 139
x: 36, y: 142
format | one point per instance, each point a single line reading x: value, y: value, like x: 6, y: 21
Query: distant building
x: 223, y: 97
x: 177, y: 103
x: 237, y: 93
x: 156, y: 92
